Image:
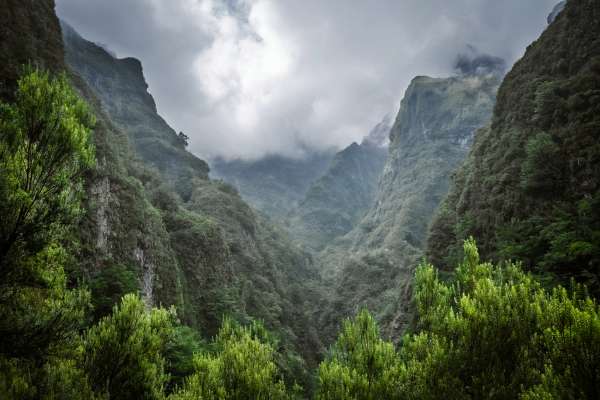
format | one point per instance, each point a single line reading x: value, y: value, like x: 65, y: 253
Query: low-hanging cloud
x: 245, y: 78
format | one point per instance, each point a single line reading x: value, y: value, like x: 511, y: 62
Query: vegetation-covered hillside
x: 336, y: 201
x: 372, y: 265
x: 126, y: 273
x: 274, y: 185
x: 206, y: 246
x: 530, y: 188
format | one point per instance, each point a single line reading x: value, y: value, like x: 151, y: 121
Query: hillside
x: 529, y: 189
x: 190, y: 241
x: 373, y: 264
x: 275, y: 184
x: 336, y: 201
x: 126, y: 272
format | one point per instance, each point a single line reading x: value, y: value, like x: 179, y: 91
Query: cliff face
x: 123, y: 93
x: 372, y: 265
x: 529, y: 189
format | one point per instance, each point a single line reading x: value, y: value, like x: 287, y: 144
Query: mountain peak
x: 380, y: 134
x: 472, y: 62
x: 555, y: 11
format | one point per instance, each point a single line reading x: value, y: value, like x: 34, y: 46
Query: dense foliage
x: 530, y: 187
x: 242, y: 367
x: 44, y: 147
x: 137, y: 236
x: 492, y: 332
x: 154, y: 216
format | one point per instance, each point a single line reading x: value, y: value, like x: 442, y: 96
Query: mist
x: 247, y: 78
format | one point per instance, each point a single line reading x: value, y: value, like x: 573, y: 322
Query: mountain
x: 336, y: 201
x: 530, y: 187
x: 122, y: 90
x: 373, y: 264
x: 273, y: 184
x: 558, y: 8
x: 28, y: 34
x: 153, y: 215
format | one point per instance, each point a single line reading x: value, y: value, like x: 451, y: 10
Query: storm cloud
x: 245, y: 78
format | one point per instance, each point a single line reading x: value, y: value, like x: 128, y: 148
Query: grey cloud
x: 245, y: 78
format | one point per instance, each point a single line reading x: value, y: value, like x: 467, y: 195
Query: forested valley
x: 453, y: 253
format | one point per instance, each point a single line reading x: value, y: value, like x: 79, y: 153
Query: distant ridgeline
x: 274, y: 184
x: 373, y: 264
x: 336, y: 201
x: 317, y: 197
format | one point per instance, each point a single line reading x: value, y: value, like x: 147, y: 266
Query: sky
x: 248, y: 78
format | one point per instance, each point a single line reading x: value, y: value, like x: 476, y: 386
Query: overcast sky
x: 245, y: 78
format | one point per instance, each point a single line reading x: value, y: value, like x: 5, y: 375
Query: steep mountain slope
x: 274, y: 184
x: 336, y: 201
x: 373, y: 264
x: 122, y: 90
x: 28, y: 35
x: 530, y: 188
x: 163, y: 216
x: 558, y: 8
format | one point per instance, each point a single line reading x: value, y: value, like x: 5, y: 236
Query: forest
x: 461, y: 261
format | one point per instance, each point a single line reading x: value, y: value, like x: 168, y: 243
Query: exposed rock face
x: 373, y: 264
x: 555, y: 11
x: 100, y: 190
x: 148, y: 274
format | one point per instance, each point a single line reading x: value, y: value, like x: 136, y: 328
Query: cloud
x: 245, y: 78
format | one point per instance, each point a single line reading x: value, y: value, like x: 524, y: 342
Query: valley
x: 452, y: 252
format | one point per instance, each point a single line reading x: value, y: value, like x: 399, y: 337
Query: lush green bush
x: 493, y: 332
x: 243, y: 367
x: 124, y: 351
x: 44, y: 148
x: 359, y: 363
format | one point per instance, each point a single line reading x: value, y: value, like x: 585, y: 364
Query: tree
x: 360, y: 364
x: 491, y: 332
x: 44, y: 149
x: 494, y: 332
x: 183, y: 139
x: 242, y: 368
x: 124, y: 351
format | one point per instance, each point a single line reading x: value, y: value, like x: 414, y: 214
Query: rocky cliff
x: 372, y: 265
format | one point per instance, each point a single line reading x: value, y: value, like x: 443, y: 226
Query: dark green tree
x: 44, y: 149
x: 360, y: 365
x: 242, y: 368
x: 124, y: 352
